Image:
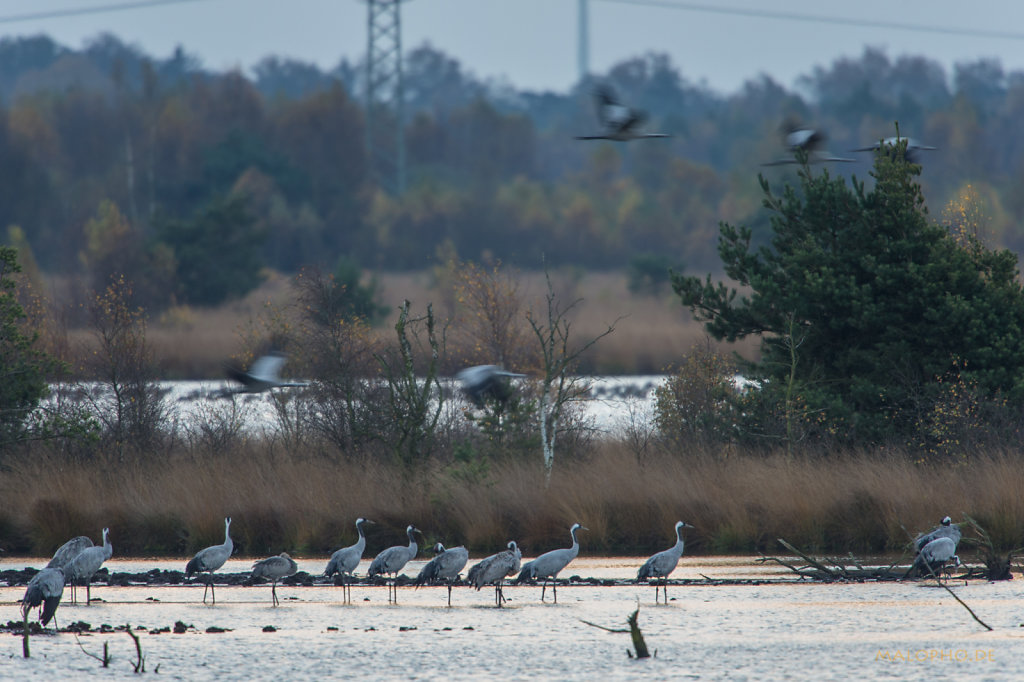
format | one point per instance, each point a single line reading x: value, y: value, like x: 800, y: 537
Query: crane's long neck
x: 361, y: 542
x: 575, y: 543
x: 108, y: 550
x: 227, y: 537
x: 678, y: 547
x: 413, y: 547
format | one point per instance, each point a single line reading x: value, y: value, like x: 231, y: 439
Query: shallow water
x: 770, y: 631
x: 614, y: 402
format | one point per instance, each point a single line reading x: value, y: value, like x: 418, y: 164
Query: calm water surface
x: 706, y: 632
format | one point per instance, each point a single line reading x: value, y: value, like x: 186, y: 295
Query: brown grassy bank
x: 172, y: 506
x: 652, y: 332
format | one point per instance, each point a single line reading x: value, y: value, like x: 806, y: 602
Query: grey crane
x: 85, y: 564
x: 549, y: 564
x: 273, y: 569
x: 263, y: 375
x: 893, y: 143
x: 798, y: 137
x: 946, y: 530
x: 392, y: 560
x: 68, y: 551
x: 935, y: 556
x: 210, y: 559
x: 445, y: 565
x: 486, y: 381
x: 345, y: 560
x: 494, y: 569
x: 45, y: 588
x: 663, y: 563
x: 620, y: 123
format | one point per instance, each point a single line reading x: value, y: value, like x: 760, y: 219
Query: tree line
x: 190, y: 182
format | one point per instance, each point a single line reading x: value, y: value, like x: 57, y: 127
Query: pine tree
x: 863, y: 303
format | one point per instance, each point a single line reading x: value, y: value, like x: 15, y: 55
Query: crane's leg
x: 273, y: 594
x: 213, y: 595
x: 449, y: 593
x: 554, y: 588
x: 543, y: 586
x: 88, y: 594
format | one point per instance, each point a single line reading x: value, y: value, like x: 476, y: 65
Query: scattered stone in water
x: 269, y: 628
x: 406, y: 628
x: 446, y: 628
x: 152, y: 599
x: 369, y: 629
x: 331, y: 628
x: 215, y: 629
x: 180, y: 628
x: 468, y: 627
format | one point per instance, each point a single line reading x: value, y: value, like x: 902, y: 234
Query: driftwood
x: 829, y: 570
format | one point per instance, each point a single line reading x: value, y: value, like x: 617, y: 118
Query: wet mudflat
x: 781, y: 630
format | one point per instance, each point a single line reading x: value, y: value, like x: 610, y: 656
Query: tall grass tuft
x: 306, y: 503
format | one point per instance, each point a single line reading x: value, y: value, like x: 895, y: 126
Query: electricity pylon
x: 385, y: 95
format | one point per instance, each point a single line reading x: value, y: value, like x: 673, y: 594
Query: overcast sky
x: 533, y: 43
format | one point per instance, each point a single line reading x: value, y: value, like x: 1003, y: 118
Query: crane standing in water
x: 210, y: 559
x: 275, y: 568
x: 392, y: 560
x: 663, y: 563
x: 345, y: 560
x: 549, y: 564
x: 86, y: 563
x: 494, y: 569
x: 445, y: 566
x: 46, y: 589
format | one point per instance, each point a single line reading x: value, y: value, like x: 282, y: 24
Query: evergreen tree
x: 864, y: 305
x: 23, y: 367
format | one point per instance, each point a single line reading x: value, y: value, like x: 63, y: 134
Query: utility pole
x: 583, y: 40
x: 385, y: 95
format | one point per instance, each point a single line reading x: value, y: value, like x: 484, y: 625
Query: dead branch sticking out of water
x: 105, y: 659
x: 962, y: 603
x: 139, y: 666
x: 833, y: 570
x: 634, y: 632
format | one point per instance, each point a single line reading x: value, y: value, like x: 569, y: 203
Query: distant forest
x: 192, y: 183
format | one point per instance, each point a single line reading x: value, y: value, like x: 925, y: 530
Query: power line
x: 820, y: 19
x: 95, y: 9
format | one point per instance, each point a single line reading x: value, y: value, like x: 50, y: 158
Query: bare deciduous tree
x: 559, y: 386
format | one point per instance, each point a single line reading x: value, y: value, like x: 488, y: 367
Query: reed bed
x: 652, y: 332
x: 306, y: 503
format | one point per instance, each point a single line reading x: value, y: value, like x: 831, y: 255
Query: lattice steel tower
x: 583, y: 40
x: 385, y: 95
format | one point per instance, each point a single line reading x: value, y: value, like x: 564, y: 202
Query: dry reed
x: 654, y: 332
x: 307, y: 503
